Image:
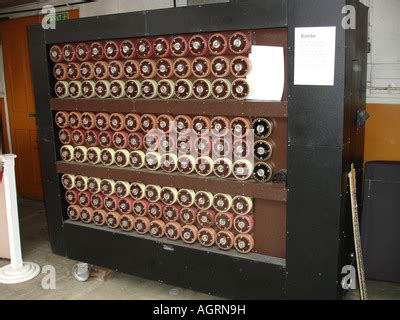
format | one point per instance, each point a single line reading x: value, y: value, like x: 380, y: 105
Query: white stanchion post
x: 18, y: 271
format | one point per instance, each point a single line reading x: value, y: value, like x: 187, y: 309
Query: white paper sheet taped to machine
x: 267, y: 78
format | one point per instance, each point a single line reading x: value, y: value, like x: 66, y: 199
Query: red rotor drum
x: 244, y: 243
x: 198, y: 45
x: 82, y: 51
x: 65, y: 136
x: 74, y: 213
x: 145, y: 48
x: 220, y: 67
x: 127, y: 222
x: 120, y: 140
x: 244, y: 224
x: 201, y: 125
x: 116, y: 70
x: 189, y: 234
x: 97, y: 51
x: 131, y: 69
x: 88, y: 120
x: 224, y: 221
x: 71, y: 196
x: 60, y: 71
x: 99, y: 217
x: 73, y: 71
x: 161, y: 47
x: 102, y: 121
x: 127, y: 49
x: 142, y: 225
x: 157, y: 228
x: 101, y: 70
x: 92, y: 138
x: 148, y: 122
x: 111, y: 50
x: 165, y: 68
x: 132, y: 122
x: 207, y: 237
x: 140, y: 208
x: 239, y: 43
x: 206, y: 218
x: 74, y: 120
x: 155, y: 210
x: 111, y: 203
x: 98, y: 201
x: 218, y: 44
x: 56, y: 54
x: 62, y: 119
x: 225, y: 240
x: 165, y: 123
x: 113, y: 220
x: 125, y: 205
x: 86, y: 215
x: 173, y: 230
x: 87, y: 70
x: 188, y: 215
x: 78, y: 137
x: 135, y: 141
x: 69, y: 52
x: 180, y: 46
x: 106, y: 138
x: 182, y: 68
x: 171, y: 213
x: 148, y: 68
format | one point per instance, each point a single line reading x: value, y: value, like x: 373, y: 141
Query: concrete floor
x: 36, y: 248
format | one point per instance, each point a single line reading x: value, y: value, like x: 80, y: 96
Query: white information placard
x: 314, y: 61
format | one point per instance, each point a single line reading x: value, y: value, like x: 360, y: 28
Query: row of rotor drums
x: 242, y: 169
x: 235, y: 43
x: 200, y: 67
x: 182, y: 124
x: 186, y: 214
x: 220, y: 89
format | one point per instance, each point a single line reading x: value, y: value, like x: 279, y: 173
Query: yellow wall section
x: 382, y: 136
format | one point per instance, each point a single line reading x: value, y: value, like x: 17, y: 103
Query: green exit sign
x: 62, y: 16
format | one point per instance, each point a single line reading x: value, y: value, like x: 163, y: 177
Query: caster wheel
x: 189, y: 234
x: 120, y: 140
x: 94, y: 155
x: 244, y: 243
x: 222, y: 202
x: 73, y: 71
x: 111, y: 50
x: 242, y: 205
x: 137, y: 191
x: 166, y: 89
x: 71, y: 196
x: 107, y: 157
x: 62, y: 119
x: 152, y: 193
x: 224, y: 221
x: 204, y: 166
x: 182, y: 68
x: 82, y: 52
x: 145, y: 48
x: 106, y: 138
x: 88, y: 120
x: 131, y: 69
x: 60, y: 72
x: 135, y: 141
x: 225, y: 240
x: 94, y: 185
x: 207, y: 237
x: 67, y: 153
x: 102, y: 89
x: 169, y: 163
x: 88, y: 89
x: 179, y: 46
x: 221, y: 89
x: 116, y: 70
x: 171, y: 213
x: 69, y: 52
x: 107, y: 187
x: 206, y: 218
x: 161, y: 47
x: 122, y: 158
x: 101, y: 70
x: 240, y: 67
x: 263, y: 172
x: 198, y: 45
x: 80, y: 154
x: 173, y: 230
x: 188, y: 215
x: 242, y: 169
x: 113, y: 220
x: 262, y: 128
x: 75, y: 89
x: 263, y: 150
x: 218, y: 44
x: 127, y: 222
x: 137, y: 159
x: 239, y: 43
x: 157, y: 228
x: 99, y: 217
x: 68, y: 181
x: 202, y: 89
x: 223, y: 168
x: 65, y: 136
x: 149, y: 89
x: 203, y: 200
x: 186, y: 198
x: 133, y: 89
x: 165, y: 68
x: 155, y: 210
x: 56, y: 54
x: 153, y: 161
x: 87, y: 70
x: 127, y: 48
x: 97, y: 51
x: 244, y: 224
x: 132, y: 122
x: 61, y: 89
x: 148, y: 68
x: 142, y: 225
x: 220, y: 67
x: 240, y: 89
x: 74, y: 213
